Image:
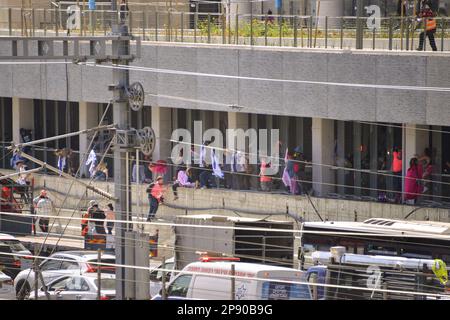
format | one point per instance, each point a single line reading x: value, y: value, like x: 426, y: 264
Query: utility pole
x: 120, y: 116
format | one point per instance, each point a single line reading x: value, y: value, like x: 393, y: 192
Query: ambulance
x: 213, y: 279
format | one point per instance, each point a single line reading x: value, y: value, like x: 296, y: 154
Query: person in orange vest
x: 427, y: 15
x: 397, y: 167
x: 265, y: 180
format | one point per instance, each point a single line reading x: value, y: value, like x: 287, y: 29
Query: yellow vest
x: 440, y: 270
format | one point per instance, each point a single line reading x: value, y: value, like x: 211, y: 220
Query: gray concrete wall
x: 283, y: 98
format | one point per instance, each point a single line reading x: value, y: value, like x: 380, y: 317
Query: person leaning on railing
x: 427, y: 16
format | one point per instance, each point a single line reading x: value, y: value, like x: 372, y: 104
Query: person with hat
x: 99, y: 215
x: 43, y: 206
x: 155, y: 196
x: 427, y: 15
x: 87, y: 225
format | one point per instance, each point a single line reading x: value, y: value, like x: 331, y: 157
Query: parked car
x: 61, y: 264
x: 6, y: 287
x: 156, y: 275
x: 14, y: 257
x: 209, y: 281
x: 79, y: 287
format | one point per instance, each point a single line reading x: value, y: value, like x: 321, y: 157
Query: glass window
x: 15, y: 245
x: 179, y: 288
x: 51, y: 265
x: 166, y: 266
x: 69, y: 265
x: 76, y: 284
x: 60, y: 284
x: 107, y: 284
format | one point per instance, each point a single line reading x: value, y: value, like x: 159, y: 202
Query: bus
x: 337, y: 275
x: 377, y: 236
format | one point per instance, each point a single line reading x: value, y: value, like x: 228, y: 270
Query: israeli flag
x: 215, y: 165
x: 61, y: 163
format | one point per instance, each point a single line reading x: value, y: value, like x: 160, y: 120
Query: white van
x: 211, y: 281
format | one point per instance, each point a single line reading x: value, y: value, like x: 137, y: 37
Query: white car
x: 156, y: 275
x: 79, y: 287
x: 6, y: 287
x: 61, y: 264
x: 15, y: 257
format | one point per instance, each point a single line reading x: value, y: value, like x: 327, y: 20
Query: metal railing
x: 395, y: 33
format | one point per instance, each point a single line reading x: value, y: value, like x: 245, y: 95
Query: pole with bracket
x: 120, y: 115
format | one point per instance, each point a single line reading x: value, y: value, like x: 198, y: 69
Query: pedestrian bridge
x: 341, y: 84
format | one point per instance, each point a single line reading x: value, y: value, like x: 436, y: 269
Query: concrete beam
x: 22, y: 116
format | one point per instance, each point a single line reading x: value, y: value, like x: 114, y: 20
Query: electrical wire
x: 212, y: 75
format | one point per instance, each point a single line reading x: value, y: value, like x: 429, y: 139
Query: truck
x: 234, y: 237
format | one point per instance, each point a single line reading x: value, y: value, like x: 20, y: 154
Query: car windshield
x: 107, y: 284
x: 15, y: 245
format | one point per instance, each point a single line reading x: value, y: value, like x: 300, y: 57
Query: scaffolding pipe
x: 23, y: 172
x: 20, y: 145
x: 68, y: 176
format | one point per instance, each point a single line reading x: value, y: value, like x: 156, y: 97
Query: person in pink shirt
x: 184, y: 179
x: 412, y: 186
x: 155, y: 196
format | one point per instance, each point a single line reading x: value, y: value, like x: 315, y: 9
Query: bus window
x: 376, y: 249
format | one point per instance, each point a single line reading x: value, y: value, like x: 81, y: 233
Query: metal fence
x: 394, y: 33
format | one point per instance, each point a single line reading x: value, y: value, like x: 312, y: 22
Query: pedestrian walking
x: 427, y: 16
x: 110, y: 217
x: 99, y: 215
x: 265, y: 180
x: 396, y: 169
x: 44, y: 208
x: 123, y: 11
x: 155, y: 196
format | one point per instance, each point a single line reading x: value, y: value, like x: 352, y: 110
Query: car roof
x: 4, y: 236
x: 239, y: 266
x: 84, y: 254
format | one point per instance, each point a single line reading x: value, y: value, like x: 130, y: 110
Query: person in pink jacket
x: 412, y: 187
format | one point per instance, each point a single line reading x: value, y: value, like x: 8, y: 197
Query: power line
x: 211, y: 75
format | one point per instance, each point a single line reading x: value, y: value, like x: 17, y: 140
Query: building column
x: 415, y: 142
x: 237, y: 120
x: 88, y: 115
x: 322, y: 154
x: 162, y: 125
x: 341, y: 173
x: 22, y: 116
x: 437, y: 163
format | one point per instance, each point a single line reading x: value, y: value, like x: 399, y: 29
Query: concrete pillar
x: 415, y: 142
x: 88, y: 118
x: 437, y: 163
x: 341, y: 174
x: 373, y: 147
x: 22, y: 116
x: 207, y: 119
x: 322, y: 153
x: 357, y: 157
x: 237, y: 120
x: 162, y: 125
x: 299, y: 133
